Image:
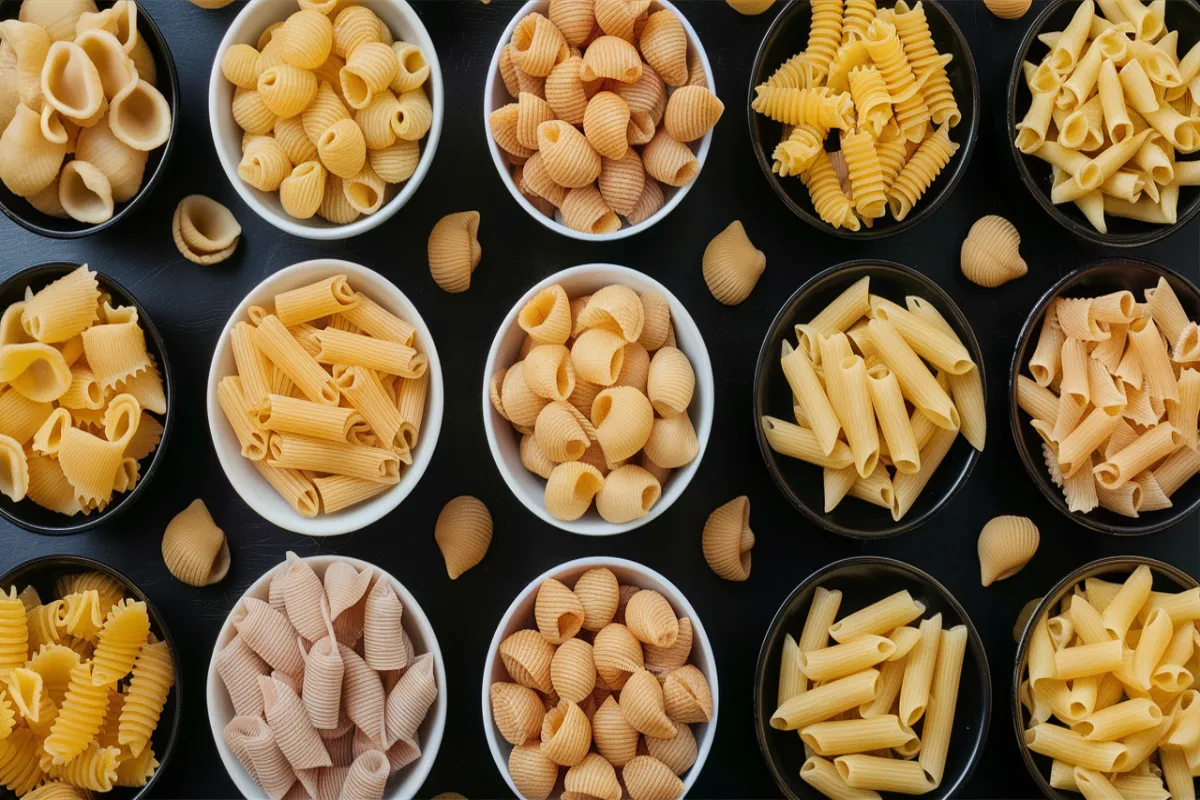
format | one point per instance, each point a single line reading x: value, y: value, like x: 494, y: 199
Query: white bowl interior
x: 405, y: 24
x: 246, y: 480
x: 405, y: 783
x: 496, y: 95
x: 505, y: 442
x: 520, y: 615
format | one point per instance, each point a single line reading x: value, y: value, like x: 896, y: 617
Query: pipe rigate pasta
x: 559, y: 434
x: 325, y: 109
x: 194, y: 548
x: 549, y: 372
x: 628, y: 493
x: 648, y: 204
x: 517, y: 711
x: 598, y: 354
x: 678, y: 753
x: 605, y: 122
x: 454, y: 250
x: 621, y: 181
x: 305, y: 39
x: 379, y: 120
x: 731, y: 265
x: 537, y: 45
x: 301, y: 192
x: 570, y: 489
x: 463, y: 533
x: 370, y: 67
x: 670, y: 382
x: 624, y: 419
x: 635, y: 367
x: 648, y: 94
x: 617, y: 652
x: 527, y: 656
x: 611, y: 57
x: 664, y: 45
x: 616, y: 740
x: 568, y: 157
x: 990, y: 254
x: 264, y: 165
x: 412, y: 69
x: 557, y: 611
x: 566, y: 734
x: 647, y: 778
x: 597, y: 590
x: 342, y: 149
x: 532, y: 111
x: 533, y: 459
x: 593, y: 777
x: 286, y: 90
x: 238, y: 65
x: 651, y: 619
x: 531, y: 771
x: 566, y: 93
x: 584, y: 210
x: 727, y: 540
x: 572, y: 671
x: 669, y: 161
x: 687, y: 695
x: 691, y: 112
x: 643, y: 705
x: 250, y: 113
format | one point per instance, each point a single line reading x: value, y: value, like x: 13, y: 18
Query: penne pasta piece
x: 856, y: 736
x: 907, y: 487
x: 918, y: 671
x: 917, y: 383
x: 943, y: 701
x: 883, y: 774
x: 825, y: 701
x: 878, y: 618
x: 792, y: 440
x: 288, y: 451
x: 807, y: 388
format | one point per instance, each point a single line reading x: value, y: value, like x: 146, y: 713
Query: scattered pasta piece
x: 1006, y: 545
x: 732, y: 265
x: 454, y: 250
x: 750, y: 8
x: 463, y: 533
x: 1008, y: 9
x: 205, y: 231
x: 211, y: 4
x: 727, y: 540
x: 991, y: 254
x: 194, y: 548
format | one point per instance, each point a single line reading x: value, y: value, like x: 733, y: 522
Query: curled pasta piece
x: 412, y: 67
x: 325, y: 109
x: 670, y: 161
x: 559, y: 432
x: 397, y: 163
x: 14, y: 469
x: 549, y: 372
x: 727, y: 540
x: 865, y: 174
x: 649, y: 204
x: 605, y: 124
x: 584, y: 210
x: 141, y: 117
x: 691, y: 112
x: 828, y: 198
x: 29, y: 162
x: 463, y: 533
x: 334, y: 206
x: 366, y: 191
x: 343, y: 149
x: 62, y: 309
x: 566, y: 93
x: 301, y: 192
x: 121, y: 164
x: 250, y: 113
x: 672, y: 442
x: 205, y: 231
x: 70, y: 81
x: 920, y: 172
x: 353, y: 25
x: 574, y: 18
x: 370, y: 68
x: 611, y: 57
x: 623, y: 418
x: 628, y: 493
x: 454, y: 250
x: 991, y: 254
x: 105, y: 51
x: 547, y: 317
x: 294, y: 141
x: 570, y: 489
x: 286, y: 90
x: 664, y: 45
x: 37, y: 371
x: 264, y: 165
x: 305, y: 39
x: 194, y: 548
x: 593, y: 777
x: 85, y: 193
x: 732, y: 265
x: 537, y: 45
x: 621, y: 182
x: 569, y: 158
x: 620, y: 18
x: 239, y: 66
x: 31, y: 44
x: 598, y: 355
x: 820, y: 107
x: 670, y: 382
x: 503, y: 124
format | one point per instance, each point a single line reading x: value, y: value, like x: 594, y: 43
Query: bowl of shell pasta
x: 326, y: 118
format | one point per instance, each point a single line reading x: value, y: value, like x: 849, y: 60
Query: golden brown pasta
x: 731, y: 265
x: 463, y: 533
x: 194, y: 548
x: 454, y: 250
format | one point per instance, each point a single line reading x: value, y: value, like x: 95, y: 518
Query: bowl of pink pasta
x: 359, y: 709
x: 300, y: 342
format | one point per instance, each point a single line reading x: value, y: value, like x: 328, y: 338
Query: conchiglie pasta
x: 537, y: 45
x: 353, y: 25
x: 569, y: 158
x: 239, y: 66
x: 334, y: 206
x: 611, y: 57
x: 325, y: 109
x: 290, y: 135
x: 140, y: 116
x: 115, y: 68
x: 691, y: 112
x: 397, y: 163
x: 412, y: 69
x: 463, y: 533
x: 531, y: 112
x: 286, y: 90
x: 301, y: 192
x: 629, y: 492
x: 305, y: 39
x: 370, y: 68
x: 664, y: 44
x: 342, y: 149
x: 585, y: 210
x: 123, y: 165
x: 570, y: 489
x: 250, y: 113
x: 28, y: 161
x: 264, y: 165
x: 454, y: 250
x: 598, y: 355
x: 732, y: 265
x: 376, y: 120
x: 547, y: 317
x: 366, y: 191
x: 669, y: 161
x: 416, y: 115
x: 672, y: 442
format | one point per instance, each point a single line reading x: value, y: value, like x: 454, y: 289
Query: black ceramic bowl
x: 41, y: 573
x: 28, y: 514
x: 787, y: 36
x: 863, y: 580
x: 18, y: 209
x: 1183, y: 16
x: 1092, y: 281
x: 801, y: 482
x: 1115, y: 569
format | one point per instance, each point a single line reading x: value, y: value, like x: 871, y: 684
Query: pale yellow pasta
x: 874, y: 773
x: 370, y: 68
x: 893, y: 419
x: 1064, y: 744
x: 273, y: 339
x: 121, y: 164
x: 570, y: 489
x: 1147, y: 345
x: 943, y: 699
x: 1152, y: 446
x: 823, y: 702
x: 362, y: 388
x: 301, y: 192
x: 62, y: 309
x: 857, y: 735
x: 628, y: 493
x: 85, y: 193
x: 342, y: 148
x: 264, y: 165
x: 287, y: 451
x: 732, y: 265
x: 38, y: 371
x: 834, y: 662
x: 305, y: 39
x: 454, y: 250
x: 140, y: 116
x: 791, y: 440
x: 286, y: 90
x: 238, y: 65
x: 908, y: 486
x: 194, y: 548
x: 807, y: 387
x: 916, y: 382
x: 823, y: 776
x: 1074, y: 450
x: 846, y: 382
x: 878, y: 618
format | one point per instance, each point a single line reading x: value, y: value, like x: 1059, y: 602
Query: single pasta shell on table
x: 691, y: 112
x: 85, y: 193
x: 205, y: 231
x: 558, y: 612
x: 572, y: 669
x: 547, y: 317
x: 531, y: 771
x: 598, y: 593
x: 617, y: 653
x: 1008, y: 9
x: 527, y: 657
x: 750, y: 8
x: 194, y: 548
x: 991, y: 252
x: 648, y: 204
x: 584, y: 210
x: 732, y: 265
x: 454, y: 250
x: 620, y: 17
x: 122, y: 165
x: 593, y: 777
x: 574, y: 18
x: 624, y: 420
x: 611, y: 57
x: 672, y: 442
x: 531, y: 112
x: 1006, y: 544
x: 605, y: 122
x: 664, y: 45
x: 670, y: 382
x: 629, y: 493
x: 687, y: 695
x: 651, y: 619
x: 141, y: 117
x: 642, y: 704
x: 70, y: 81
x: 463, y: 533
x: 647, y: 778
x: 343, y: 149
x: 517, y: 711
x: 664, y: 659
x: 569, y: 159
x: 670, y: 161
x: 621, y: 181
x: 615, y: 738
x: 566, y: 734
x: 305, y: 39
x: 537, y: 45
x: 679, y: 752
x: 727, y: 540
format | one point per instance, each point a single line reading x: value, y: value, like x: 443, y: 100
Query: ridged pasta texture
x: 194, y: 548
x: 463, y: 532
x: 732, y: 265
x: 454, y: 250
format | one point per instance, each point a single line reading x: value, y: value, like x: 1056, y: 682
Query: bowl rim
x: 929, y: 205
x: 490, y: 104
x: 413, y: 610
x: 1080, y: 229
x: 431, y: 425
x: 1052, y: 596
x: 700, y: 636
x: 758, y: 408
x: 918, y: 574
x: 148, y: 186
x: 701, y: 366
x: 330, y: 232
x: 1024, y: 339
x: 36, y: 272
x: 89, y: 564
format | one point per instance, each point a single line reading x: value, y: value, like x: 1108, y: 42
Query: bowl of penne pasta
x: 863, y: 117
x: 870, y: 447
x: 1102, y: 696
x: 1102, y: 120
x: 60, y: 597
x: 1104, y: 396
x: 305, y: 339
x: 905, y: 675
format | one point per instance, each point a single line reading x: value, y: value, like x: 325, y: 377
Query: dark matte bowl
x: 1091, y: 281
x: 18, y: 209
x: 41, y: 573
x: 1116, y: 569
x: 863, y: 580
x: 801, y: 482
x: 30, y: 515
x: 1182, y: 15
x: 787, y: 36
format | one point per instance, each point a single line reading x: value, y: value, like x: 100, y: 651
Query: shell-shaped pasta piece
x: 558, y: 612
x: 664, y: 46
x: 547, y: 317
x: 323, y: 670
x: 692, y: 111
x: 569, y: 159
x: 508, y: 72
x: 670, y: 382
x: 598, y: 355
x: 46, y: 201
x: 617, y: 653
x: 566, y: 93
x: 585, y: 210
x: 647, y: 778
x: 14, y: 469
x: 1008, y: 9
x: 621, y: 18
x: 679, y: 752
x: 366, y: 191
x: 305, y: 39
x: 651, y: 619
x: 1006, y: 544
x: 30, y: 43
x: 463, y: 533
x: 342, y: 148
x: 301, y: 192
x: 629, y: 493
x: 537, y: 45
x: 58, y: 17
x: 669, y: 161
x: 141, y: 117
x: 605, y: 122
x: 574, y: 18
x: 344, y: 586
x: 732, y: 265
x: 264, y: 165
x: 367, y: 776
x: 250, y: 113
x: 239, y: 66
x: 123, y: 165
x: 286, y: 90
x: 517, y: 711
x: 107, y: 54
x: 370, y: 67
x: 28, y: 161
x: 687, y: 695
x: 615, y: 738
x: 531, y: 771
x: 549, y: 372
x: 611, y: 57
x: 990, y: 254
x: 642, y: 704
x: 672, y: 441
x: 566, y: 734
x: 289, y: 724
x: 520, y: 404
x: 35, y: 370
x: 353, y: 25
x: 621, y: 181
x: 593, y: 777
x: 335, y: 207
x: 665, y: 659
x: 615, y: 307
x: 194, y: 548
x: 70, y: 81
x: 527, y: 657
x: 648, y: 204
x: 624, y: 419
x: 598, y: 593
x: 325, y: 109
x: 412, y: 68
x: 636, y: 367
x: 537, y: 180
x: 531, y: 112
x: 727, y: 540
x: 397, y: 163
x: 534, y: 459
x: 560, y: 432
x: 409, y: 700
x: 205, y: 231
x: 362, y: 695
x: 383, y: 633
x: 572, y: 670
x: 85, y: 193
x: 454, y: 250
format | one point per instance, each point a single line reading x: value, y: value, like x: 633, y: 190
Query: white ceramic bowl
x: 520, y: 615
x: 496, y: 95
x: 246, y: 480
x: 505, y: 442
x: 405, y: 783
x: 405, y: 24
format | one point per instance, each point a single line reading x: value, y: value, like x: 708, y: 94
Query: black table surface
x: 190, y: 304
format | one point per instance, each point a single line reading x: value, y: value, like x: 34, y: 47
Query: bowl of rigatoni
x: 879, y: 445
x: 871, y: 678
x: 1102, y: 696
x: 1102, y: 118
x: 1119, y: 340
x: 325, y: 397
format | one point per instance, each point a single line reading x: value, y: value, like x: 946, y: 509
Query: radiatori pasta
x: 875, y: 77
x: 309, y: 405
x: 340, y: 106
x: 629, y: 675
x: 86, y: 74
x: 601, y: 398
x: 603, y: 132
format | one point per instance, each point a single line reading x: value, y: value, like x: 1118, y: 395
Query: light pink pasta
x: 344, y: 586
x: 239, y: 668
x: 367, y: 776
x: 304, y: 599
x: 291, y: 727
x: 322, y: 694
x: 251, y: 740
x: 269, y: 634
x: 362, y: 694
x: 383, y: 634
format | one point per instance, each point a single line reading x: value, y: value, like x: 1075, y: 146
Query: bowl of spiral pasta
x: 599, y: 115
x: 863, y: 117
x: 326, y: 118
x: 1105, y: 394
x: 92, y: 705
x: 1102, y: 118
x: 325, y: 397
x: 87, y: 115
